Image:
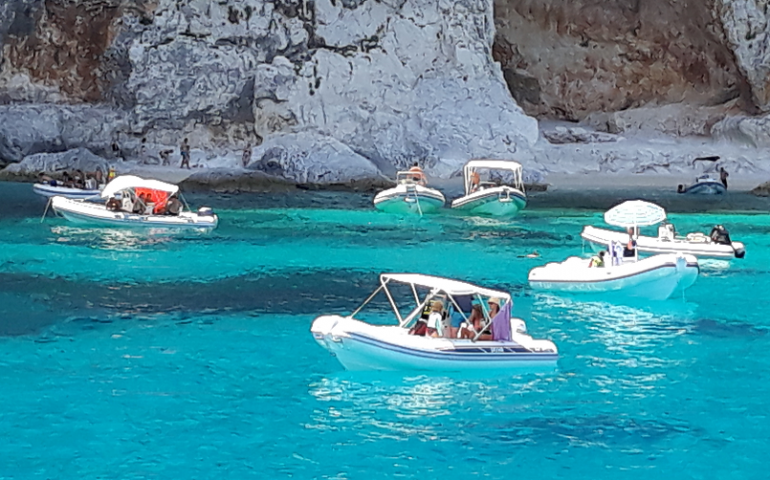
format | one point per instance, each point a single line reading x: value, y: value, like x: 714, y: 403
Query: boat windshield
x: 410, y: 178
x: 483, y: 174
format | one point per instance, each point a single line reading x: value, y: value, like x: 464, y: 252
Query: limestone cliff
x: 380, y: 81
x: 395, y: 80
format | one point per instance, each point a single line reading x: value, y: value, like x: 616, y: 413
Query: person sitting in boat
x: 469, y: 329
x: 98, y: 176
x: 79, y: 179
x: 139, y: 204
x: 597, y: 260
x: 113, y: 204
x: 45, y: 179
x: 475, y: 181
x: 91, y: 183
x: 66, y: 180
x: 630, y: 249
x: 418, y: 175
x: 436, y: 319
x: 173, y: 205
x: 720, y: 235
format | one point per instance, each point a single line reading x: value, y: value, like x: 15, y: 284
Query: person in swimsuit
x: 419, y: 175
x: 184, y: 150
x: 723, y: 176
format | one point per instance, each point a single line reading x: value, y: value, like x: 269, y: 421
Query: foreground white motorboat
x: 704, y: 185
x: 359, y: 345
x: 654, y: 278
x: 48, y: 190
x: 409, y: 196
x: 132, y: 189
x: 715, y: 245
x: 490, y: 197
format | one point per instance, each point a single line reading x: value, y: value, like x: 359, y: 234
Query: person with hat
x: 436, y: 319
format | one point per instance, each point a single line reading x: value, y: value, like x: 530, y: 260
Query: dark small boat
x: 704, y: 185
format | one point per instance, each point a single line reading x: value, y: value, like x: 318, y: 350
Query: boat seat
x: 697, y: 237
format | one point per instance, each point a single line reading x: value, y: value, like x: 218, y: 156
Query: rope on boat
x: 417, y: 200
x: 45, y: 212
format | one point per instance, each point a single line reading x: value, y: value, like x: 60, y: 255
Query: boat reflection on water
x: 116, y: 238
x: 371, y: 396
x: 628, y: 326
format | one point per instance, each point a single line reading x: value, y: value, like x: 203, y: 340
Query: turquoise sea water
x: 132, y: 355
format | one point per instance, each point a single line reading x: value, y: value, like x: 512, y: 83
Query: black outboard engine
x: 720, y: 235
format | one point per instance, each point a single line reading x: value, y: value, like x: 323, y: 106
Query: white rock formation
x: 746, y: 25
x: 75, y: 159
x: 395, y: 81
x: 29, y: 129
x: 308, y: 158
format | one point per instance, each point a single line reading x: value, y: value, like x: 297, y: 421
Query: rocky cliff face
x: 567, y: 58
x: 379, y: 81
x: 395, y: 81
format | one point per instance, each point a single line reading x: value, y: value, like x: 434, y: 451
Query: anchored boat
x: 48, y: 190
x: 143, y: 203
x: 410, y: 195
x: 717, y: 244
x: 492, y: 340
x: 704, y: 185
x: 654, y: 278
x: 498, y: 196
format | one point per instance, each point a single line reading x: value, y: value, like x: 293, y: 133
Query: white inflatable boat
x: 501, y: 197
x: 654, y: 278
x: 47, y: 190
x: 132, y: 210
x: 409, y: 196
x: 359, y: 345
x: 636, y: 213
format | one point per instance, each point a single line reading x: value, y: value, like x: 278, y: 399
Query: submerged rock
x: 762, y: 190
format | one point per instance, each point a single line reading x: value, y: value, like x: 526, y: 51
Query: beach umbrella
x: 635, y: 213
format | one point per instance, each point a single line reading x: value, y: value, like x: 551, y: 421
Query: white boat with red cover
x: 131, y: 189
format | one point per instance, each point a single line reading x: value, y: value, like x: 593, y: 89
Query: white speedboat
x: 125, y: 212
x: 487, y: 197
x: 715, y: 245
x: 653, y: 278
x: 359, y: 345
x: 704, y: 185
x: 48, y: 190
x: 409, y: 196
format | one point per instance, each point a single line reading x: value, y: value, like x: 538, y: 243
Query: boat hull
x: 409, y: 199
x: 705, y: 188
x: 358, y: 346
x: 51, y: 191
x: 96, y: 214
x: 498, y: 202
x: 654, y: 278
x: 600, y: 238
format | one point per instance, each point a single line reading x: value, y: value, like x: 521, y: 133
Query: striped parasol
x: 635, y: 213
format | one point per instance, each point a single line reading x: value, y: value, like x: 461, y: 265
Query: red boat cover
x: 158, y: 197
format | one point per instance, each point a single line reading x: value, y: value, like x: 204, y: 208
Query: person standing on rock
x: 184, y: 149
x: 723, y: 176
x: 246, y: 158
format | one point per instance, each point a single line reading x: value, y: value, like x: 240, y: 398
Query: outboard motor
x: 720, y: 235
x: 205, y: 211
